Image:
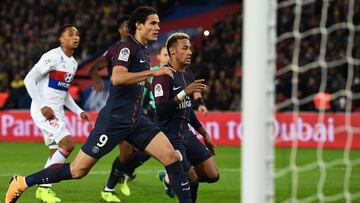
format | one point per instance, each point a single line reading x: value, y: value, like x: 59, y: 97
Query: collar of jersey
x: 137, y: 42
x: 63, y: 53
x: 176, y: 69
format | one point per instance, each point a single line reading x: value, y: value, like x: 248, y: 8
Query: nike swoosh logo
x: 142, y: 61
x: 185, y: 189
x: 176, y: 88
x: 183, y: 184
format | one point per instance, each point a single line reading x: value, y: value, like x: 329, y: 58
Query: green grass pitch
x: 24, y: 158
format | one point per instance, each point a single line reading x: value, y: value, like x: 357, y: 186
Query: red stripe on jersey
x: 57, y: 75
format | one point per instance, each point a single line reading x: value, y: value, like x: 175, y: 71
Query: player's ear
x: 61, y: 39
x: 172, y: 50
x: 138, y: 26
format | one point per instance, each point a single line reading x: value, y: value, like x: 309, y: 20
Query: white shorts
x: 53, y: 131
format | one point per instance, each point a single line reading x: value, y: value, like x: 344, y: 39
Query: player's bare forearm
x: 121, y: 76
x: 130, y: 78
x: 207, y: 140
x: 202, y: 131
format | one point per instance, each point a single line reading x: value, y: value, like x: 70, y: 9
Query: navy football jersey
x: 169, y: 116
x: 123, y: 103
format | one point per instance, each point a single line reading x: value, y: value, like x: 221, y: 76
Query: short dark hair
x: 173, y: 39
x: 121, y: 20
x: 63, y: 28
x: 139, y: 15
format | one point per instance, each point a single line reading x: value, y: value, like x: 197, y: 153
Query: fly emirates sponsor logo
x: 11, y: 125
x: 283, y: 131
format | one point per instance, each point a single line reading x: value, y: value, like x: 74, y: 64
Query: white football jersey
x: 58, y: 71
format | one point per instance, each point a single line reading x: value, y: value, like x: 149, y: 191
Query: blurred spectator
x: 236, y: 103
x: 217, y: 59
x: 312, y: 51
x: 17, y: 92
x: 27, y: 29
x: 3, y: 81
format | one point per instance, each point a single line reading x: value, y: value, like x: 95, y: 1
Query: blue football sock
x: 194, y: 185
x: 137, y: 160
x: 52, y: 174
x: 116, y: 173
x: 179, y: 182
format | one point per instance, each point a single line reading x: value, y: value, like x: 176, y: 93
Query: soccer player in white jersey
x: 47, y: 84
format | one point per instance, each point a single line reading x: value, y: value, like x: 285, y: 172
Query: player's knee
x: 67, y: 145
x: 212, y: 179
x: 176, y: 156
x: 79, y: 173
x: 126, y: 154
x: 65, y: 151
x: 172, y: 157
x: 70, y: 147
x: 215, y: 179
x: 191, y: 175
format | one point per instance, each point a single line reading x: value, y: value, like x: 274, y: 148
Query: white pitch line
x: 226, y: 170
x: 141, y: 171
x: 229, y: 170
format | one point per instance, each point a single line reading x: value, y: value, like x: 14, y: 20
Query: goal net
x: 317, y: 122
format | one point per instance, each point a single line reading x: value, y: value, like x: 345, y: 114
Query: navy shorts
x: 107, y: 134
x: 192, y: 150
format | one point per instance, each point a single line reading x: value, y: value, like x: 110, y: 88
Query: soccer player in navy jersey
x: 122, y: 117
x: 173, y: 98
x: 129, y: 154
x: 130, y: 158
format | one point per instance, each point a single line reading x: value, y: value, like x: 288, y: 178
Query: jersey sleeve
x: 71, y: 104
x: 124, y: 55
x: 45, y: 64
x: 165, y: 104
x: 107, y: 55
x: 30, y: 82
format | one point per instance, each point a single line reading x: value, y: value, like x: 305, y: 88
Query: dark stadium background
x: 29, y: 28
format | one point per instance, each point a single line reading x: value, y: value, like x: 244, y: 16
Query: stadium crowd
x: 320, y: 53
x: 29, y: 28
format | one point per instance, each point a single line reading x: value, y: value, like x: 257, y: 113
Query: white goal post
x: 259, y: 40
